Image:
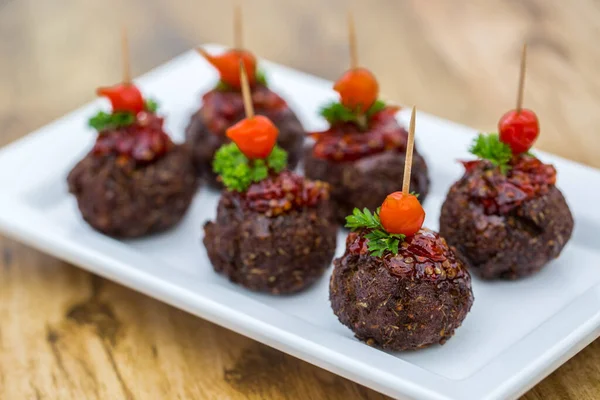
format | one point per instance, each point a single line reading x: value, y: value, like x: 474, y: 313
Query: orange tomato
x: 228, y: 65
x: 255, y: 136
x: 123, y: 97
x: 358, y: 89
x: 402, y: 214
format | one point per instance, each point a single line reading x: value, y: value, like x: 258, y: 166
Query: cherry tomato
x: 255, y: 136
x: 358, y: 89
x: 402, y: 214
x: 519, y: 130
x: 228, y: 65
x: 123, y: 97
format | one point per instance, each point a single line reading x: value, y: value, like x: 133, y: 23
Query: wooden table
x: 67, y: 334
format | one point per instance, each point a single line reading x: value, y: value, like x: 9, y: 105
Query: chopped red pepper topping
x: 228, y: 65
x: 123, y: 97
x: 254, y: 136
x: 346, y: 142
x: 519, y: 130
x: 402, y: 213
x: 143, y: 141
x: 499, y: 193
x: 283, y: 192
x: 358, y: 89
x: 221, y: 109
x: 422, y: 256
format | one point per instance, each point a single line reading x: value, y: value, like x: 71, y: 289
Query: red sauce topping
x: 223, y: 108
x: 346, y: 142
x: 422, y: 256
x: 283, y: 192
x: 500, y: 193
x: 143, y: 141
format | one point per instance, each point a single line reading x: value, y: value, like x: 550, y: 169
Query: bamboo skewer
x: 125, y: 56
x: 352, y: 41
x: 238, y: 41
x: 362, y: 119
x: 409, y: 153
x: 521, y: 87
x: 248, y: 108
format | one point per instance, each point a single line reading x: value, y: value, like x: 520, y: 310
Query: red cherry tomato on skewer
x: 228, y: 65
x: 123, y: 97
x: 402, y: 214
x: 519, y: 130
x: 255, y: 136
x: 358, y: 89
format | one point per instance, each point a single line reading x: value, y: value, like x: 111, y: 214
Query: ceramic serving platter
x: 516, y: 333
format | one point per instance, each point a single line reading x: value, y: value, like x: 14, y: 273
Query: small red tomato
x: 228, y: 65
x: 519, y: 130
x: 402, y: 214
x: 358, y: 89
x: 123, y: 97
x: 255, y: 136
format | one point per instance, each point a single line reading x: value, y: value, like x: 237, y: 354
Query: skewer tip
x: 352, y: 40
x: 125, y: 55
x: 410, y: 144
x: 521, y: 87
x: 237, y: 25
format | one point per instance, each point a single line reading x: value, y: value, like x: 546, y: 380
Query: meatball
x: 277, y: 253
x: 506, y: 244
x: 404, y: 302
x: 364, y: 165
x: 126, y: 200
x: 367, y: 181
x: 206, y: 130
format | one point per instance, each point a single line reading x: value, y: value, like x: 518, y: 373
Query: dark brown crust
x: 278, y: 255
x: 398, y: 312
x: 131, y: 202
x: 205, y: 143
x: 366, y: 182
x: 506, y: 247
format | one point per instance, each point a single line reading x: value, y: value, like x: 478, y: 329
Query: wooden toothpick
x: 237, y: 26
x: 352, y: 41
x: 203, y: 52
x: 409, y: 152
x: 246, y: 92
x: 125, y: 56
x: 521, y: 87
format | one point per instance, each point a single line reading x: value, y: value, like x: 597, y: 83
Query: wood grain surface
x: 66, y: 334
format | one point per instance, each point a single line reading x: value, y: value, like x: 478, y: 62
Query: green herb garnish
x: 238, y: 172
x: 378, y: 106
x: 119, y: 119
x: 261, y: 79
x: 151, y: 105
x: 380, y: 241
x: 336, y: 112
x: 222, y: 87
x: 103, y: 121
x: 489, y: 147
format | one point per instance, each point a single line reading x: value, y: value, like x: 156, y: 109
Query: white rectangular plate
x: 516, y: 333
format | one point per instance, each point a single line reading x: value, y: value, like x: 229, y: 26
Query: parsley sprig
x: 261, y: 79
x: 336, y: 112
x: 380, y: 241
x: 489, y: 147
x: 102, y: 120
x: 238, y: 172
x: 151, y: 105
